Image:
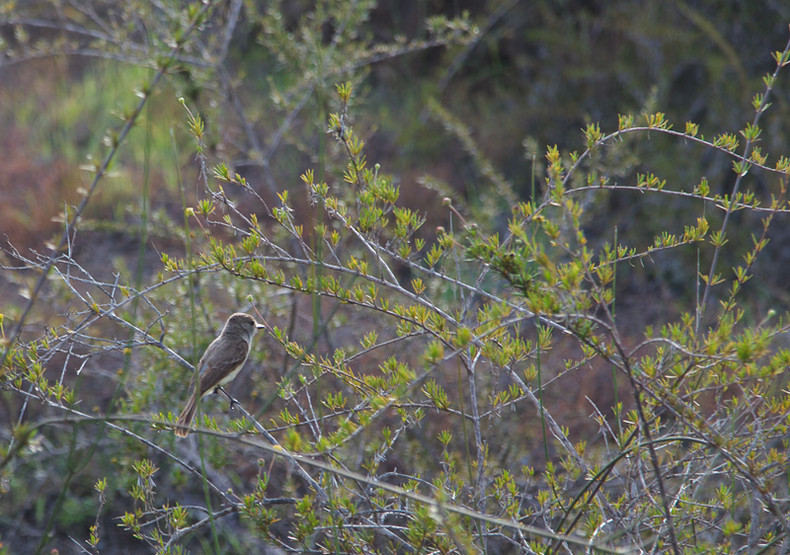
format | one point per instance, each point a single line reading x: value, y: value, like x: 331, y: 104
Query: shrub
x: 415, y: 390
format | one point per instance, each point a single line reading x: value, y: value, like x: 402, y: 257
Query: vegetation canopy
x: 471, y: 345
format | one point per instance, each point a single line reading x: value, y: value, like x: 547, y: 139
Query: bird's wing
x: 216, y: 364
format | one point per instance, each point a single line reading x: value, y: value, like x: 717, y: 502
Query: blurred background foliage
x: 525, y: 75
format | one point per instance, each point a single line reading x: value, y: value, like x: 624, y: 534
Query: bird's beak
x: 260, y: 326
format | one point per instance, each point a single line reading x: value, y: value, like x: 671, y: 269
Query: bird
x: 221, y: 362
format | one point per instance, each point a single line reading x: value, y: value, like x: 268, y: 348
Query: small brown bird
x: 221, y: 362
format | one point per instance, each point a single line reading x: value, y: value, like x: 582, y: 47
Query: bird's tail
x: 185, y: 419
